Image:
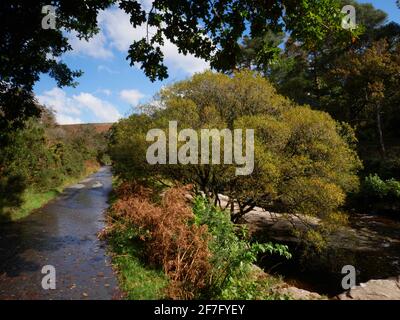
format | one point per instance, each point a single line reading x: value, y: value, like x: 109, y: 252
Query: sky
x: 110, y: 89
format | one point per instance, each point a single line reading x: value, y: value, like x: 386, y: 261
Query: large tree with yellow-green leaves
x: 304, y: 160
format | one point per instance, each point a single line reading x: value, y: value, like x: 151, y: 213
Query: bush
x: 233, y: 256
x: 170, y: 237
x: 380, y: 195
x: 137, y: 279
x: 204, y: 254
x: 104, y: 159
x: 41, y: 156
x: 376, y: 188
x: 393, y: 187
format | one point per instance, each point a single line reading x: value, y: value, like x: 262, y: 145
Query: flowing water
x: 62, y: 234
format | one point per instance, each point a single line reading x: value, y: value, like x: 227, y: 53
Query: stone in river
x: 388, y: 289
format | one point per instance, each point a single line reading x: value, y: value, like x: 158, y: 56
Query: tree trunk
x: 380, y: 132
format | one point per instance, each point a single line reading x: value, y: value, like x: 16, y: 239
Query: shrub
x: 201, y: 251
x: 394, y: 188
x: 170, y: 237
x: 40, y: 155
x: 379, y: 195
x: 233, y: 256
x: 374, y: 186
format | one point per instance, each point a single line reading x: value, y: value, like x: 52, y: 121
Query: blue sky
x: 389, y: 6
x: 109, y: 88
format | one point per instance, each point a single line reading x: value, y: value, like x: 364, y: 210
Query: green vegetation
x: 232, y: 275
x: 39, y: 160
x: 319, y: 103
x: 209, y: 30
x: 355, y: 81
x: 305, y: 162
x: 32, y: 199
x: 138, y: 280
x: 378, y: 195
x: 166, y: 249
x: 376, y: 187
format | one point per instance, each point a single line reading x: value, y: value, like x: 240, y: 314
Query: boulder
x: 387, y: 289
x: 300, y: 294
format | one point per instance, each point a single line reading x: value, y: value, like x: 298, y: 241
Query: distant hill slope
x: 99, y: 127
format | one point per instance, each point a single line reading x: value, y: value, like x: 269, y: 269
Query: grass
x: 137, y: 280
x: 33, y: 199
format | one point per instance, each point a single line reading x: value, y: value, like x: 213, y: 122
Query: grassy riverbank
x: 33, y: 199
x: 136, y: 278
x: 165, y: 249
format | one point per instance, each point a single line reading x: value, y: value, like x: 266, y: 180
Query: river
x: 370, y: 243
x: 62, y: 234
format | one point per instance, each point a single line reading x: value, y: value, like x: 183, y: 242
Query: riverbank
x: 137, y: 280
x: 184, y: 249
x: 63, y: 234
x: 33, y: 199
x: 369, y: 243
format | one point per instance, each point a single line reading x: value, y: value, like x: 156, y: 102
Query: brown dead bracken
x: 171, y: 238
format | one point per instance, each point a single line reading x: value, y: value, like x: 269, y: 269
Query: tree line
x: 350, y: 74
x: 42, y: 155
x: 356, y: 82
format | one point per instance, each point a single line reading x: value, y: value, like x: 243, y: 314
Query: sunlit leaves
x: 302, y: 163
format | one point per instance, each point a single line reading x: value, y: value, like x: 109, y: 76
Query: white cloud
x: 178, y: 61
x: 146, y: 4
x: 96, y: 47
x: 117, y: 33
x: 107, y: 92
x: 64, y: 119
x: 131, y: 96
x: 69, y: 110
x: 103, y: 110
x: 106, y: 69
x: 64, y: 107
x: 120, y: 34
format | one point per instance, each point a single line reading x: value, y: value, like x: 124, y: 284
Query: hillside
x: 99, y: 127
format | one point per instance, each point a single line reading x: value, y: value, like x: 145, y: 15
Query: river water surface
x: 63, y: 234
x: 369, y: 243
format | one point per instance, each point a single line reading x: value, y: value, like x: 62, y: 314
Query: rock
x: 97, y: 184
x: 300, y: 294
x: 77, y: 186
x: 286, y: 289
x: 388, y: 289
